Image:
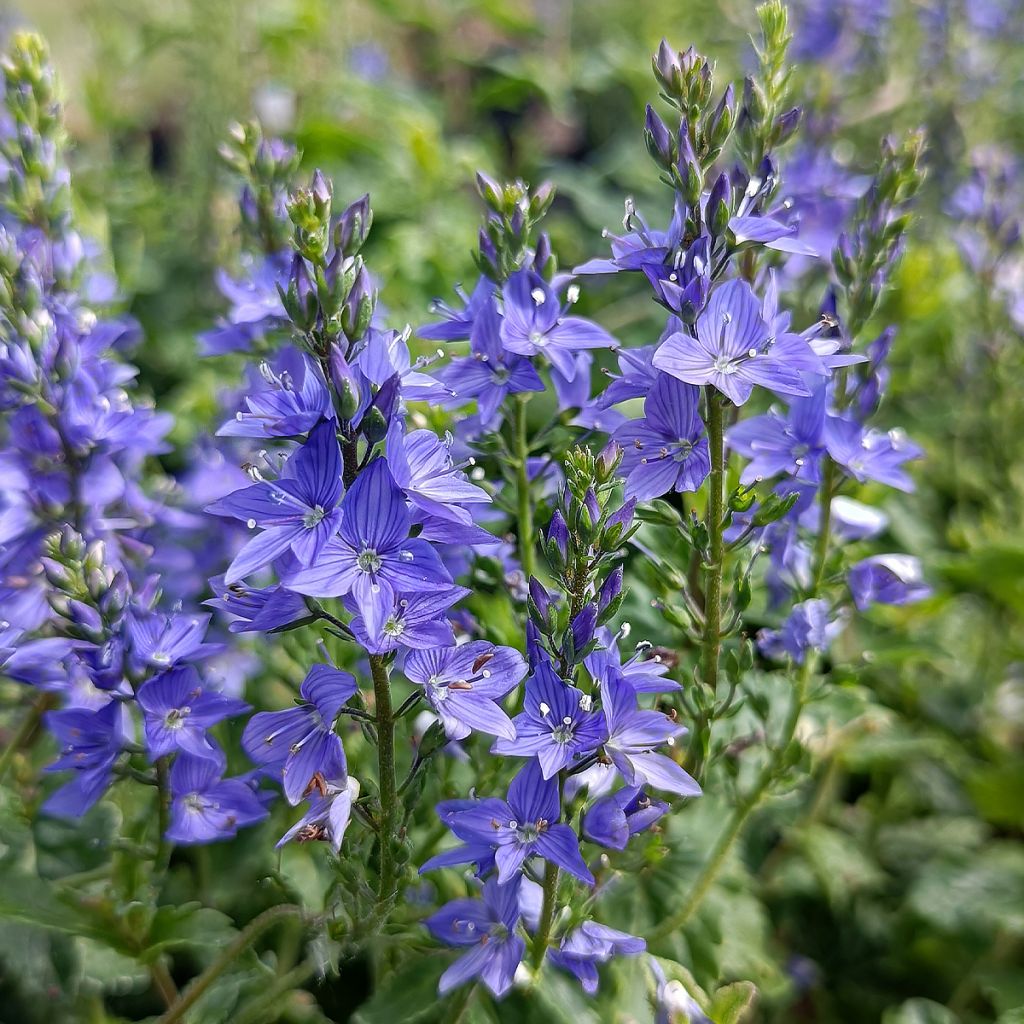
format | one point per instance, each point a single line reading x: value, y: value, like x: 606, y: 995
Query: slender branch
x: 385, y: 777
x: 241, y: 942
x: 525, y: 504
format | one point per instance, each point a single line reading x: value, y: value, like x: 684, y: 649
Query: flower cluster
x: 82, y: 624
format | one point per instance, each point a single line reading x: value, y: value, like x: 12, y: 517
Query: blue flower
x: 589, y: 945
x: 206, y: 808
x: 487, y: 927
x: 557, y: 725
x: 178, y: 711
x: 667, y: 449
x: 731, y: 348
x: 534, y: 322
x: 463, y: 685
x: 887, y: 579
x: 633, y: 735
x: 524, y: 826
x: 373, y: 556
x: 300, y: 742
x: 298, y: 512
x: 611, y: 820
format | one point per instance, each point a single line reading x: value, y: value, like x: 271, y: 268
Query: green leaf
x: 731, y: 1004
x: 188, y: 925
x: 920, y: 1011
x: 32, y: 901
x: 410, y: 995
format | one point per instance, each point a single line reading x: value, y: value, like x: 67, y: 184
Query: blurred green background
x: 896, y: 893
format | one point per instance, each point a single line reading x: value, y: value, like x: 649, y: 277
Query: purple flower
x: 667, y: 449
x: 557, y: 725
x: 768, y: 232
x: 488, y: 928
x: 732, y: 349
x: 535, y: 322
x: 463, y: 685
x: 871, y: 454
x: 205, y: 807
x: 295, y: 400
x: 178, y: 711
x: 414, y: 620
x: 635, y: 379
x: 457, y: 324
x: 633, y: 735
x: 887, y: 579
x: 373, y: 556
x: 639, y: 249
x: 809, y: 626
x: 589, y: 945
x: 297, y: 512
x: 611, y: 820
x: 300, y: 742
x: 775, y: 444
x: 327, y: 820
x: 159, y: 641
x: 421, y: 465
x: 257, y: 610
x: 524, y: 826
x: 645, y: 675
x: 90, y: 744
x: 490, y: 374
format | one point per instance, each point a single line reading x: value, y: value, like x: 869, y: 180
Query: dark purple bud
x: 542, y: 252
x: 358, y: 309
x: 658, y: 139
x: 85, y: 618
x: 540, y: 597
x: 623, y: 516
x: 115, y: 600
x: 666, y: 68
x: 592, y: 507
x: 583, y: 626
x: 608, y: 461
x: 353, y: 226
x: 558, y: 535
x: 689, y: 175
x: 610, y: 589
x: 723, y: 119
x: 345, y: 382
x: 321, y: 190
x: 719, y: 208
x: 490, y: 192
x: 382, y: 409
x: 534, y: 651
x: 786, y: 125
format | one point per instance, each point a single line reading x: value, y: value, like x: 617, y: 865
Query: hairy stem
x: 525, y: 504
x: 385, y: 777
x: 547, y: 914
x: 242, y: 941
x: 711, y: 647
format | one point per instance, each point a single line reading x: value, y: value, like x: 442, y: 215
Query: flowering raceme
x: 437, y: 553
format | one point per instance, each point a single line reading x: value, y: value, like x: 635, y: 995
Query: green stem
x: 525, y: 526
x: 266, y: 1004
x: 242, y: 941
x: 163, y: 982
x: 547, y: 914
x: 385, y: 777
x: 163, y: 800
x: 711, y: 647
x: 727, y: 838
x: 25, y: 731
x: 729, y: 835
